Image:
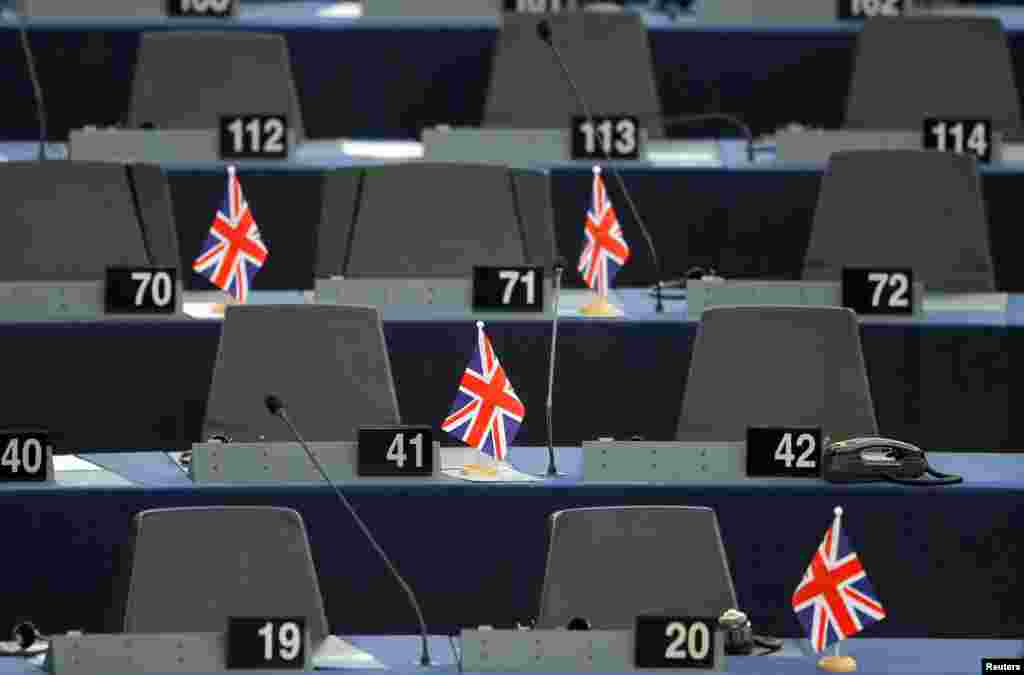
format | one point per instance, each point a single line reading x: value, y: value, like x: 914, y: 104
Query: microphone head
x: 544, y: 31
x: 274, y: 404
x: 25, y: 634
x: 559, y: 263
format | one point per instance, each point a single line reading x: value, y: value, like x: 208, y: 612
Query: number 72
x: 898, y: 281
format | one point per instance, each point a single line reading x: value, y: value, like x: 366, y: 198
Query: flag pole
x: 480, y: 467
x: 836, y: 663
x: 600, y: 306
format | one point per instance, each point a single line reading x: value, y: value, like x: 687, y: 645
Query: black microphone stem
x: 37, y: 88
x: 425, y: 650
x: 659, y: 307
x: 552, y: 469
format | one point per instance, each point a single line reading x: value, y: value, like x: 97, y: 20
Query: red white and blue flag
x: 233, y: 252
x: 835, y: 600
x: 486, y: 413
x: 605, y: 250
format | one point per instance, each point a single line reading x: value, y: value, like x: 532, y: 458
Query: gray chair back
x: 328, y: 363
x: 609, y: 565
x: 228, y: 73
x: 241, y: 561
x: 424, y: 220
x: 907, y: 69
x: 69, y: 220
x: 607, y: 54
x: 777, y: 366
x: 903, y: 208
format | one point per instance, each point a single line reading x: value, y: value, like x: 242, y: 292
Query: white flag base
x: 600, y: 307
x: 838, y: 664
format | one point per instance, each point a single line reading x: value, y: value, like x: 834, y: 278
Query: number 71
x: 511, y: 277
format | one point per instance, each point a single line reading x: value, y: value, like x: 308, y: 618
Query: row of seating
x: 239, y: 71
x: 406, y: 220
x: 256, y: 561
x: 341, y: 379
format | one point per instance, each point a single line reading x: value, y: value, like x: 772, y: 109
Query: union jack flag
x: 835, y: 599
x: 486, y: 413
x: 233, y: 252
x: 605, y: 249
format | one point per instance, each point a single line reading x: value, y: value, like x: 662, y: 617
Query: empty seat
x: 903, y: 208
x: 329, y: 363
x: 241, y: 561
x: 69, y: 221
x: 227, y: 74
x: 429, y: 220
x: 609, y: 565
x: 910, y: 68
x: 777, y: 366
x: 607, y: 54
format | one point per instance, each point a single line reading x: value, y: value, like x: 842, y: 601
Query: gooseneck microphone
x: 544, y: 33
x: 734, y: 121
x: 276, y: 408
x: 37, y: 88
x: 559, y: 267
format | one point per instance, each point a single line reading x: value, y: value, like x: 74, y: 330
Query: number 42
x: 784, y: 453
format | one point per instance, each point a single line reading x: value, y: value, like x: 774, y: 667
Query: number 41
x: 396, y: 452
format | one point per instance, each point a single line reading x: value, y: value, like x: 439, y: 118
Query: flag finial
x: 597, y: 170
x: 479, y: 324
x: 838, y: 510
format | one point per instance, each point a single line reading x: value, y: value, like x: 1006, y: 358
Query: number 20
x: 697, y: 640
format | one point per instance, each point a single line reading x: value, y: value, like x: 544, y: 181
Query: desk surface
x: 993, y: 309
x: 148, y: 470
x: 935, y: 657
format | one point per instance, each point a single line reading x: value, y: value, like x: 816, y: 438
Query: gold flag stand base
x: 218, y: 308
x: 479, y: 470
x: 600, y: 307
x: 838, y: 664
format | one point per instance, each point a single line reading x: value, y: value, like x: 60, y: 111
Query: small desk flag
x: 233, y: 252
x: 486, y: 413
x: 835, y: 599
x: 605, y: 250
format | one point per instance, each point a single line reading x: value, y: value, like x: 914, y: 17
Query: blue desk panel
x: 390, y: 78
x: 475, y: 552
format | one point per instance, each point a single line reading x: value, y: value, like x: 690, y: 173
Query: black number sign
x: 254, y: 137
x: 508, y: 288
x: 395, y: 451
